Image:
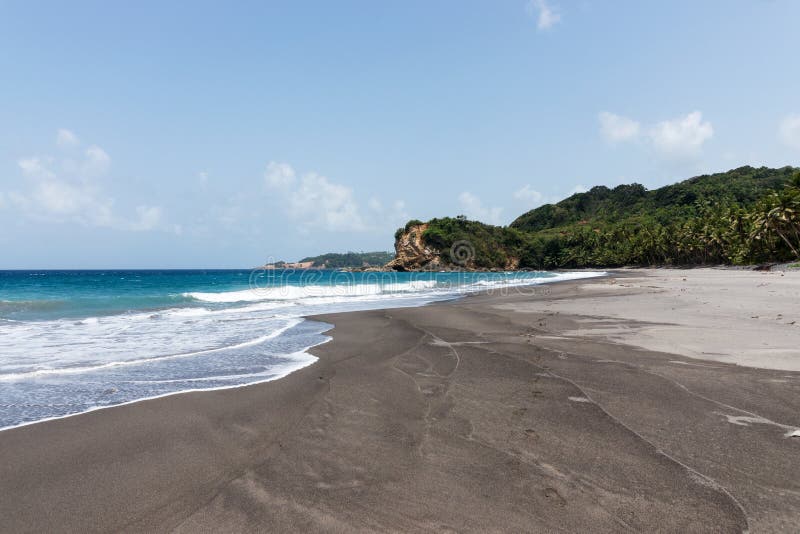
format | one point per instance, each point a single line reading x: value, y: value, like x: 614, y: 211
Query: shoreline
x: 560, y: 430
x: 181, y: 392
x: 306, y: 350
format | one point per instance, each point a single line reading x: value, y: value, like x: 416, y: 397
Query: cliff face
x: 412, y: 254
x: 465, y: 249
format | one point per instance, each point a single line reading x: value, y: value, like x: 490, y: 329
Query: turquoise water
x: 72, y: 341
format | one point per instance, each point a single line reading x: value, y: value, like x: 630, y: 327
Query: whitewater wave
x: 327, y: 294
x: 575, y: 275
x: 10, y: 377
x: 169, y: 313
x: 288, y: 292
x: 112, y: 357
x: 294, y: 362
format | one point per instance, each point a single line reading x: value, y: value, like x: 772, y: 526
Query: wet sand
x: 498, y: 413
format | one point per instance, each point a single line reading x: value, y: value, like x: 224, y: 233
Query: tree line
x: 744, y: 216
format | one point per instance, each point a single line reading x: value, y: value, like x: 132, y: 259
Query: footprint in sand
x: 553, y: 495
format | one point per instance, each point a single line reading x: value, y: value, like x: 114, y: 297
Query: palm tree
x: 780, y: 213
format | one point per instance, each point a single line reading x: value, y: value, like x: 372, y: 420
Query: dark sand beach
x: 494, y: 413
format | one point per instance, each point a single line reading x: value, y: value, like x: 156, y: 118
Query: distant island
x: 744, y: 216
x: 333, y: 260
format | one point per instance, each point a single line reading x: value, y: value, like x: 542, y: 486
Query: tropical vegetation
x: 350, y: 260
x: 743, y: 216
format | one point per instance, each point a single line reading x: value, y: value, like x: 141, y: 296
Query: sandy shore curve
x: 537, y: 411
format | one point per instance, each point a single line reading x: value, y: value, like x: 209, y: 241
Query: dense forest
x: 350, y: 260
x: 743, y: 216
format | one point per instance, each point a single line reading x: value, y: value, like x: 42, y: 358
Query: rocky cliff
x: 411, y: 251
x: 453, y: 244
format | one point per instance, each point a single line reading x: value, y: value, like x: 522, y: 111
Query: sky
x: 227, y: 134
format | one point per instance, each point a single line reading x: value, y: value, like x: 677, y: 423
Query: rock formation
x: 412, y: 254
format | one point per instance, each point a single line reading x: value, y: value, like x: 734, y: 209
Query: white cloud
x: 279, y: 174
x: 72, y: 196
x: 149, y: 217
x: 35, y: 168
x: 66, y: 138
x: 318, y: 202
x: 313, y: 201
x: 58, y: 200
x: 60, y: 197
x: 616, y: 128
x: 679, y: 138
x: 474, y: 209
x: 789, y: 131
x: 546, y: 15
x: 388, y: 217
x: 74, y: 193
x: 399, y: 207
x: 682, y: 136
x: 529, y: 196
x: 97, y: 162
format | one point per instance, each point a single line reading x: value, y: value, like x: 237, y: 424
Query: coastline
x: 181, y: 392
x: 467, y: 415
x: 296, y: 320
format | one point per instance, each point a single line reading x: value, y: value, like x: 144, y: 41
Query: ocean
x: 74, y: 341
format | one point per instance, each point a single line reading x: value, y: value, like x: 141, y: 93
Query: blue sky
x: 210, y: 134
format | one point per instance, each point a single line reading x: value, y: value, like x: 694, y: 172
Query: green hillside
x: 743, y: 186
x: 743, y: 216
x: 350, y: 260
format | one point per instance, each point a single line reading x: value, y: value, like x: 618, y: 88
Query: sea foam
x: 291, y: 292
x: 93, y: 340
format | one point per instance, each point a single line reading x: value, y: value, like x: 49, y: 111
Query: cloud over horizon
x: 679, y: 138
x: 529, y: 196
x: 682, y: 136
x: 315, y: 202
x: 473, y: 207
x: 70, y: 189
x: 616, y: 128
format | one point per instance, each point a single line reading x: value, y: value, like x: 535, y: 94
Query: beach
x: 647, y: 400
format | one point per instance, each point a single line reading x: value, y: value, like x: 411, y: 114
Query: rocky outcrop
x: 465, y: 250
x: 412, y: 254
